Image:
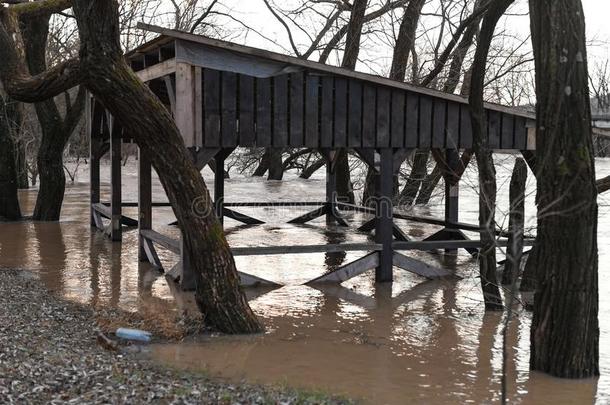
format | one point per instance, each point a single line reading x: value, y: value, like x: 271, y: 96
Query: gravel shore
x: 49, y: 354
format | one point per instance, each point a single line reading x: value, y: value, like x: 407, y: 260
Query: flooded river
x: 412, y: 341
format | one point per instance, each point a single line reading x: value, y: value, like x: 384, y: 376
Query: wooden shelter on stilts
x: 223, y: 96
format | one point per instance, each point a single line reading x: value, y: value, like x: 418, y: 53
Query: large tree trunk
x: 271, y: 162
x: 21, y: 165
x: 218, y: 292
x: 56, y: 130
x: 9, y: 201
x: 565, y: 331
x: 485, y: 164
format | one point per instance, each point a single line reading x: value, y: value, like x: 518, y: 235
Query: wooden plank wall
x: 305, y: 109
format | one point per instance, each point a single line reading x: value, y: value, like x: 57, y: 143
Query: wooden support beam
x: 106, y: 212
x: 249, y: 280
x: 418, y: 267
x: 157, y: 71
x: 115, y: 180
x: 170, y: 87
x: 166, y: 242
x: 396, y: 231
x: 185, y: 103
x: 318, y: 212
x: 349, y: 270
x: 275, y: 204
x: 383, y: 213
x: 151, y: 254
x: 425, y: 245
x: 144, y: 206
x: 203, y: 156
x: 176, y: 274
x: 419, y: 218
x: 302, y: 249
x: 452, y: 190
x: 238, y: 216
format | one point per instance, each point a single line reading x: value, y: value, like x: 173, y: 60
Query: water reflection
x: 412, y: 341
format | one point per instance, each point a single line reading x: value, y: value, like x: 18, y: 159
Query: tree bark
x: 271, y: 162
x: 21, y: 165
x: 487, y: 171
x: 416, y: 177
x: 9, y: 201
x: 354, y: 32
x: 312, y: 168
x: 565, y: 332
x: 56, y: 130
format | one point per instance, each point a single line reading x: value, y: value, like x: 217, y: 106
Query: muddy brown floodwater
x: 412, y: 341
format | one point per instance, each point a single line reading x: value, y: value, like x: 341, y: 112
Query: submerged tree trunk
x: 102, y: 68
x: 56, y: 130
x: 565, y: 330
x: 21, y: 165
x: 271, y: 162
x: 416, y: 177
x: 485, y: 164
x: 9, y: 201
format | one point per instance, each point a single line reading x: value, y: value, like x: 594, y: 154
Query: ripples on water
x: 429, y: 342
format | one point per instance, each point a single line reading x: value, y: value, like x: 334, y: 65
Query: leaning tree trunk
x: 143, y: 116
x: 485, y: 164
x: 416, y: 177
x: 9, y: 201
x: 565, y: 330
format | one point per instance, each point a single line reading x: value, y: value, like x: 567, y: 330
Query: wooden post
x: 383, y: 212
x: 516, y: 222
x: 452, y: 189
x: 219, y: 186
x: 185, y: 103
x: 452, y: 192
x: 331, y: 186
x: 144, y: 201
x: 115, y: 180
x: 94, y: 158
